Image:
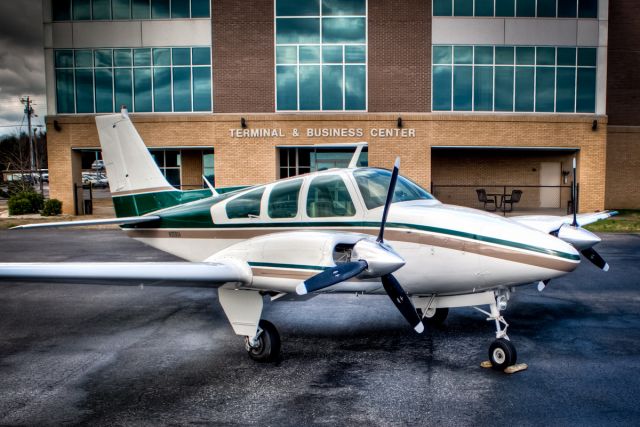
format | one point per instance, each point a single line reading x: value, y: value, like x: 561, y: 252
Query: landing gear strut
x: 265, y: 346
x: 502, y: 353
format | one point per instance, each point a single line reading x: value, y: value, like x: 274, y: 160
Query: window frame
x: 590, y: 50
x: 132, y: 67
x: 130, y: 18
x: 260, y: 217
x: 321, y: 63
x: 515, y: 11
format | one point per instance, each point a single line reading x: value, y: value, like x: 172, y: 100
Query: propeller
x: 583, y: 240
x: 375, y: 259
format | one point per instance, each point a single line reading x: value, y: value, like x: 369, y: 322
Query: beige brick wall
x: 253, y: 160
x: 623, y: 168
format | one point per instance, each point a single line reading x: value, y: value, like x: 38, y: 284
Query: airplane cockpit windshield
x: 374, y: 183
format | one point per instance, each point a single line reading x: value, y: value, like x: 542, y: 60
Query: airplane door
x: 550, y: 174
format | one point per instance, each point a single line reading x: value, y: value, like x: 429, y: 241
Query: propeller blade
x: 574, y: 195
x: 387, y: 203
x: 331, y: 276
x: 595, y: 258
x: 543, y: 284
x: 402, y: 302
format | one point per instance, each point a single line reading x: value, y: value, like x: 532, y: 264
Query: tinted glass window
x: 182, y: 89
x: 245, y: 206
x: 442, y: 7
x: 526, y: 8
x: 485, y: 7
x: 179, y: 8
x: 297, y: 7
x: 61, y: 10
x: 64, y: 91
x: 121, y: 9
x: 374, y: 185
x: 343, y: 7
x: 200, y: 8
x: 283, y: 200
x: 328, y: 196
x: 202, y: 89
x: 140, y: 9
x: 505, y: 7
x: 463, y: 7
x: 442, y: 87
x: 81, y: 9
x: 104, y: 91
x: 567, y: 8
x: 101, y: 9
x: 160, y: 9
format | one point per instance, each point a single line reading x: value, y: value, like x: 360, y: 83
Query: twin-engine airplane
x: 353, y: 230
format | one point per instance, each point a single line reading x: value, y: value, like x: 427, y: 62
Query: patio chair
x: 482, y: 198
x: 510, y: 200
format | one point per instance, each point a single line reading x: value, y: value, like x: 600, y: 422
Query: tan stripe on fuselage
x: 410, y: 236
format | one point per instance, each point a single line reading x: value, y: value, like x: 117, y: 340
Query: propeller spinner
x: 374, y: 259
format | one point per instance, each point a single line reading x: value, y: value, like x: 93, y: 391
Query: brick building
x: 498, y: 94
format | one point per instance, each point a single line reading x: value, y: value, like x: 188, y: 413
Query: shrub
x: 25, y: 202
x: 19, y: 206
x: 52, y: 207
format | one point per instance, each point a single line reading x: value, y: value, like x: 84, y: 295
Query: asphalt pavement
x: 104, y: 355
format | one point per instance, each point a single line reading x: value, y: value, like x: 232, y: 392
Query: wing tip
x: 419, y: 328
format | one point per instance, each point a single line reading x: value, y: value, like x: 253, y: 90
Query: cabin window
x: 328, y: 196
x: 245, y: 206
x: 283, y: 200
x: 374, y: 185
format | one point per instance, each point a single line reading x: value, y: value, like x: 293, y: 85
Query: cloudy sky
x: 21, y: 61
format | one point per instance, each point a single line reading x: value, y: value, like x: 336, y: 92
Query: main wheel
x: 437, y: 319
x: 267, y: 348
x: 502, y: 354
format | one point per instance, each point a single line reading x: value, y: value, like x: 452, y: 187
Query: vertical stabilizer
x: 136, y: 183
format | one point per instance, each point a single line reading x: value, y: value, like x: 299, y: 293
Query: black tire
x: 437, y: 319
x: 502, y: 354
x: 268, y: 348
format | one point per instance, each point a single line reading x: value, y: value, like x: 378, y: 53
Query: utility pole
x: 28, y: 110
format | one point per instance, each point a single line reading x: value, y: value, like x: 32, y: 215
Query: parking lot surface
x: 81, y: 354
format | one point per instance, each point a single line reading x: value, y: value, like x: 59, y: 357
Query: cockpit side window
x: 374, y: 184
x: 328, y: 196
x: 283, y: 200
x: 245, y: 206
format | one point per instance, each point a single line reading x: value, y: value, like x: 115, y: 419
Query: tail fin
x: 136, y: 183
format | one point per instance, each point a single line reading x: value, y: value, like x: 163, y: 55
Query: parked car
x: 97, y: 165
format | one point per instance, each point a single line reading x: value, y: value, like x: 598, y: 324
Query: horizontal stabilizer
x: 202, y: 272
x: 107, y: 221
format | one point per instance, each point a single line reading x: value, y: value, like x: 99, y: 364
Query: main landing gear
x: 502, y: 353
x: 265, y: 346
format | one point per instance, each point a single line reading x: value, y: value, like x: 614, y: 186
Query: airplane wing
x: 549, y: 223
x: 119, y: 221
x: 204, y: 273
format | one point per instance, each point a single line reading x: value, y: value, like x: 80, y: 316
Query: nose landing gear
x: 502, y: 352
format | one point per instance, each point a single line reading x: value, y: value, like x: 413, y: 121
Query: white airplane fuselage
x: 448, y: 249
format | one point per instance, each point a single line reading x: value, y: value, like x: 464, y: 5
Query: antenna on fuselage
x: 213, y: 190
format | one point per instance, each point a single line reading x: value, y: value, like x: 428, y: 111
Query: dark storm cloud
x: 21, y: 59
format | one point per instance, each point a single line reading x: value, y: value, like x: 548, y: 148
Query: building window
x: 514, y: 79
x: 100, y: 10
x: 299, y: 160
x: 517, y: 8
x: 168, y: 160
x: 321, y: 55
x: 145, y: 80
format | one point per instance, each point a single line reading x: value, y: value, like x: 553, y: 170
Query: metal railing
x: 534, y: 197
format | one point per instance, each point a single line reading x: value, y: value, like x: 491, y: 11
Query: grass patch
x: 627, y: 221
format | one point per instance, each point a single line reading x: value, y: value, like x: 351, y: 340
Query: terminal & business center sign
x: 323, y: 133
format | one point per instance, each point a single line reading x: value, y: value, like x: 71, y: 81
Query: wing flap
x: 202, y: 272
x: 107, y: 221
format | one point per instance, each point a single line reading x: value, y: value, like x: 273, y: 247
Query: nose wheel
x: 502, y: 352
x: 265, y: 346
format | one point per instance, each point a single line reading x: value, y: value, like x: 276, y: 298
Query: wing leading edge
x: 549, y: 223
x: 107, y: 221
x: 212, y: 273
